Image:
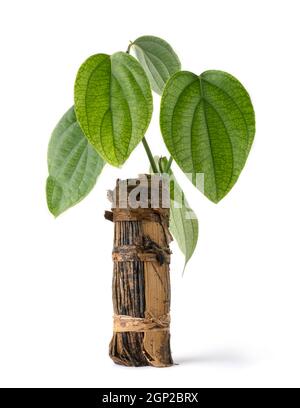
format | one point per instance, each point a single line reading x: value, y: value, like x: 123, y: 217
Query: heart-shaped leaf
x: 73, y: 165
x: 208, y: 125
x: 158, y: 59
x: 183, y: 220
x: 113, y: 104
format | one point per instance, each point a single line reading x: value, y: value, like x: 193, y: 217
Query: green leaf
x: 208, y: 125
x: 158, y: 59
x: 73, y: 165
x: 183, y: 220
x: 113, y: 104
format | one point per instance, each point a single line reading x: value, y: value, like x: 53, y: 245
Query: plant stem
x: 150, y: 156
x: 160, y: 166
x: 169, y: 164
x: 128, y: 48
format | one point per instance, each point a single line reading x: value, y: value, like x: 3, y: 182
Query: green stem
x: 160, y: 166
x: 169, y: 164
x: 150, y: 156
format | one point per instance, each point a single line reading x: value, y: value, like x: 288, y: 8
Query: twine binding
x: 124, y: 323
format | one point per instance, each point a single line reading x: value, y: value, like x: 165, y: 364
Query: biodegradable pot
x: 141, y: 280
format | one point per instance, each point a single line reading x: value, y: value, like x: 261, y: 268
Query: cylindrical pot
x: 141, y: 280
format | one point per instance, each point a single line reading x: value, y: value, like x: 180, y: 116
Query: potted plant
x: 207, y: 123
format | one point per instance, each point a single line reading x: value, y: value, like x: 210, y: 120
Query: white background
x: 235, y: 313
